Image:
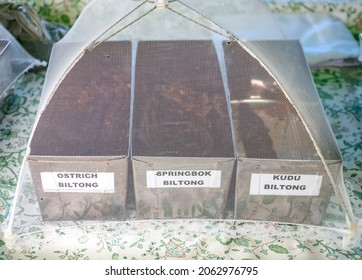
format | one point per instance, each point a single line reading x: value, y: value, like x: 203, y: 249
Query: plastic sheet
x: 14, y: 61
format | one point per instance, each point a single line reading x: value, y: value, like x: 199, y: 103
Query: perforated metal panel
x: 89, y: 112
x: 266, y: 123
x: 180, y: 105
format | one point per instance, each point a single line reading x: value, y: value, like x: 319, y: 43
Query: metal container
x: 79, y: 151
x: 283, y: 190
x: 280, y: 176
x: 182, y: 148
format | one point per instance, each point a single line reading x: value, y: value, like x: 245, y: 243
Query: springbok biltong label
x: 184, y: 179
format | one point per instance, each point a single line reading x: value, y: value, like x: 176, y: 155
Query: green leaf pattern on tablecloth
x: 21, y: 106
x: 350, y: 13
x: 62, y: 11
x: 278, y: 249
x: 194, y: 241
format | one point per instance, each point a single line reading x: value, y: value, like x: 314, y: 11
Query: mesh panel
x: 180, y: 106
x: 286, y: 62
x: 266, y: 124
x: 89, y: 112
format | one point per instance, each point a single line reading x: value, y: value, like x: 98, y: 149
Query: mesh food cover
x: 14, y: 61
x: 159, y: 110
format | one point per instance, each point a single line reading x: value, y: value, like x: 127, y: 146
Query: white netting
x: 257, y: 87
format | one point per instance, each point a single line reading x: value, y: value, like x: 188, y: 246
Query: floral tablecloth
x: 340, y: 90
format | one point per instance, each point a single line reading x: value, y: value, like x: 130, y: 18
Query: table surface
x: 340, y: 90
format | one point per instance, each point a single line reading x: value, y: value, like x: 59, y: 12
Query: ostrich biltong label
x: 80, y: 182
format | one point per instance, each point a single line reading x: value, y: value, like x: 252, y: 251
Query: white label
x: 184, y: 179
x: 84, y: 182
x: 285, y: 184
